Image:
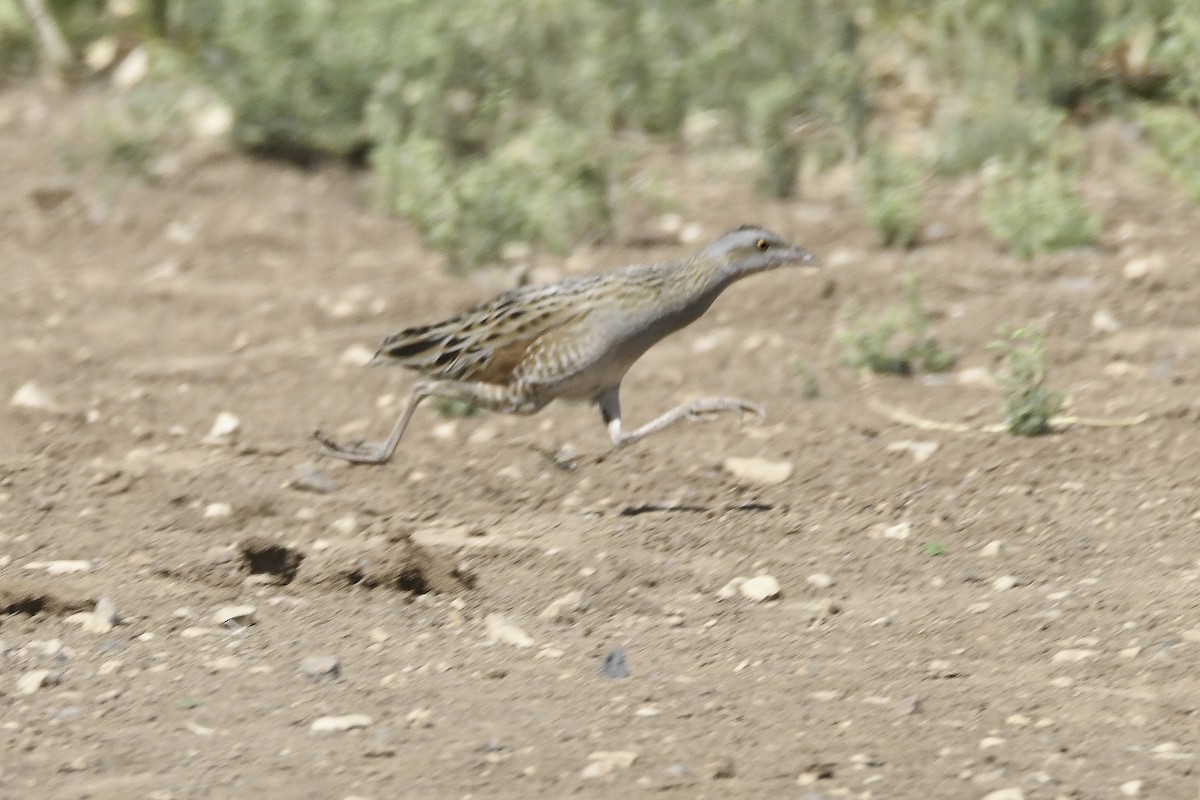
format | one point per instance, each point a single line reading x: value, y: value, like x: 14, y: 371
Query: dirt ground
x: 1050, y: 651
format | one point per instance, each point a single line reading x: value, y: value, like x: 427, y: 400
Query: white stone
x: 1004, y: 582
x: 991, y: 549
x: 563, y: 606
x: 223, y: 427
x: 758, y: 470
x: 760, y: 588
x: 820, y: 580
x: 36, y: 679
x: 1011, y: 793
x: 601, y: 764
x: 901, y: 530
x: 343, y: 723
x: 990, y: 742
x: 1103, y: 321
x: 357, y: 355
x: 218, y: 510
x: 1071, y: 656
x: 30, y: 395
x: 61, y: 567
x: 975, y: 376
x: 240, y: 615
x: 501, y: 631
x: 1138, y: 269
x: 1131, y: 788
x: 920, y: 451
x: 730, y: 590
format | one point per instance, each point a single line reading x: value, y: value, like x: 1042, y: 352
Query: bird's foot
x: 356, y: 452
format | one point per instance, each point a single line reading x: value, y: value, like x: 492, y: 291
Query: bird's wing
x: 492, y: 341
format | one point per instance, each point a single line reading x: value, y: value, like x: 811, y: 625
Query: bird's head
x: 749, y: 249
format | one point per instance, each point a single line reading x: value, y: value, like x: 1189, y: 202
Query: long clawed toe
x: 357, y: 451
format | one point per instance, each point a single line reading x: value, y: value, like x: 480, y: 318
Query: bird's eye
x: 762, y: 244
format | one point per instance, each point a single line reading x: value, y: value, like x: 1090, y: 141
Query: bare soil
x: 1060, y: 662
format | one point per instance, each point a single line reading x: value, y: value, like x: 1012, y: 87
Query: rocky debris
x: 1071, y: 656
x: 819, y: 580
x: 36, y: 679
x: 760, y: 588
x: 920, y: 451
x: 33, y: 396
x: 501, y: 631
x: 320, y: 668
x: 720, y: 768
x: 61, y: 567
x: 1011, y: 793
x: 308, y: 477
x: 615, y: 664
x: 564, y: 607
x: 602, y: 764
x: 345, y: 722
x: 224, y: 428
x: 234, y: 616
x: 758, y: 471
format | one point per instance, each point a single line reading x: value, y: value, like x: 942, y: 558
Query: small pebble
x: 758, y: 470
x: 357, y: 355
x: 319, y: 668
x: 36, y: 679
x: 234, y: 615
x: 760, y: 588
x: 720, y: 768
x: 820, y: 580
x: 1071, y: 656
x: 342, y: 723
x: 419, y: 718
x: 1131, y: 788
x: 30, y: 395
x: 218, y: 510
x: 563, y: 607
x: 223, y: 428
x: 308, y: 477
x: 1012, y: 793
x: 1004, y: 582
x: 106, y: 610
x: 991, y: 549
x: 602, y: 764
x: 501, y: 631
x: 615, y: 665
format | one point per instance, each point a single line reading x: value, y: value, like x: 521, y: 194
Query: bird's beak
x: 804, y: 257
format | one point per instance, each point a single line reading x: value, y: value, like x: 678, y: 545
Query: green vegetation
x: 1035, y: 208
x: 488, y: 123
x: 934, y: 549
x: 869, y: 345
x: 1029, y: 404
x: 452, y: 409
x: 892, y: 194
x: 1175, y: 134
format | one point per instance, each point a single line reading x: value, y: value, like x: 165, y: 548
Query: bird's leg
x: 483, y: 395
x: 610, y: 410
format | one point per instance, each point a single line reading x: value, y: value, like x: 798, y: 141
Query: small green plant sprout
x: 451, y: 409
x: 1029, y: 404
x: 892, y: 193
x: 809, y: 389
x: 926, y: 350
x: 934, y: 549
x: 1034, y: 208
x: 869, y: 346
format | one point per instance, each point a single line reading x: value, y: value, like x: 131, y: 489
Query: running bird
x: 573, y: 340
